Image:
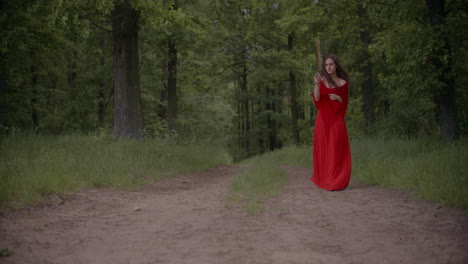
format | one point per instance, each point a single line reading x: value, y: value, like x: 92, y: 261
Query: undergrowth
x: 32, y: 167
x: 428, y: 168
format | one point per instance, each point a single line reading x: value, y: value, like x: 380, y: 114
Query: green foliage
x: 32, y: 167
x: 234, y: 67
x: 5, y: 252
x: 60, y: 64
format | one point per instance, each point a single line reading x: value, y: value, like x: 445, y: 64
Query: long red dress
x: 332, y: 155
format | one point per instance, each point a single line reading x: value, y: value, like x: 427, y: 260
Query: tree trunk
x: 239, y: 123
x: 245, y: 106
x: 162, y: 107
x: 102, y: 86
x: 3, y: 90
x: 293, y: 94
x: 367, y: 88
x: 445, y: 96
x: 172, y: 85
x: 271, y: 120
x: 318, y: 55
x: 172, y: 81
x: 260, y: 120
x: 34, y: 99
x: 72, y: 75
x: 278, y: 108
x: 128, y: 118
x: 50, y: 100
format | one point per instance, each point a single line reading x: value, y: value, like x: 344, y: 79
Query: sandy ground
x: 185, y: 220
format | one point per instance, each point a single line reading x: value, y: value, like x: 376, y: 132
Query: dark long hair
x: 340, y: 71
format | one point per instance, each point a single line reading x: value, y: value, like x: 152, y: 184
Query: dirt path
x: 184, y: 220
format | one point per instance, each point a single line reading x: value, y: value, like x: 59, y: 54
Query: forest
x: 151, y: 131
x: 237, y: 73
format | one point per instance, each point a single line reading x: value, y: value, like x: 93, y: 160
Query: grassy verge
x: 260, y: 180
x: 32, y: 167
x: 429, y: 169
x: 287, y: 156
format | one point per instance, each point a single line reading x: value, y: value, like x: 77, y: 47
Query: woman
x: 332, y: 156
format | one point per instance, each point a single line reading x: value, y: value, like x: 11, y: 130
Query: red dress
x: 332, y: 155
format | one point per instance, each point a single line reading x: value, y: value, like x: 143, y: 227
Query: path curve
x: 184, y: 219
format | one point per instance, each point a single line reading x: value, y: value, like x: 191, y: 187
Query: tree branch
x: 89, y: 15
x: 101, y: 27
x: 381, y: 3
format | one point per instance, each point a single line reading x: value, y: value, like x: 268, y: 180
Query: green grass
x: 259, y: 181
x: 264, y: 178
x: 427, y: 168
x: 32, y: 167
x: 287, y: 156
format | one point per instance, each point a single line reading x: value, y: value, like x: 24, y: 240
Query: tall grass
x: 427, y: 168
x: 34, y: 166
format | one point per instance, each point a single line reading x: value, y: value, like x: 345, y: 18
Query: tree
x: 293, y: 94
x: 172, y: 79
x: 415, y: 66
x: 128, y: 119
x: 367, y: 88
x: 238, y: 71
x: 445, y: 96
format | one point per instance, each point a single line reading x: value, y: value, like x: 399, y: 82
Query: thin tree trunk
x: 367, y: 89
x: 239, y: 121
x: 318, y: 55
x: 3, y: 90
x: 260, y: 127
x: 71, y: 80
x: 311, y: 108
x: 245, y: 106
x: 446, y: 95
x: 271, y: 121
x: 128, y: 118
x: 172, y: 81
x: 293, y: 94
x: 50, y: 100
x: 102, y: 86
x: 34, y: 99
x: 172, y: 85
x: 278, y: 108
x: 162, y: 107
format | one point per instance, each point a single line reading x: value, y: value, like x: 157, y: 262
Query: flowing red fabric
x: 332, y: 155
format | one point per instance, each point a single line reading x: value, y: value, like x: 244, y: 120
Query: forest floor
x: 185, y: 219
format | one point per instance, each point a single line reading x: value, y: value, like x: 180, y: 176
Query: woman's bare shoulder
x: 341, y: 82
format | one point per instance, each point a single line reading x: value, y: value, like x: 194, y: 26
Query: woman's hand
x: 335, y: 97
x: 317, y: 78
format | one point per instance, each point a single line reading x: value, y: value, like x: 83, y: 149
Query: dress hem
x: 328, y: 188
